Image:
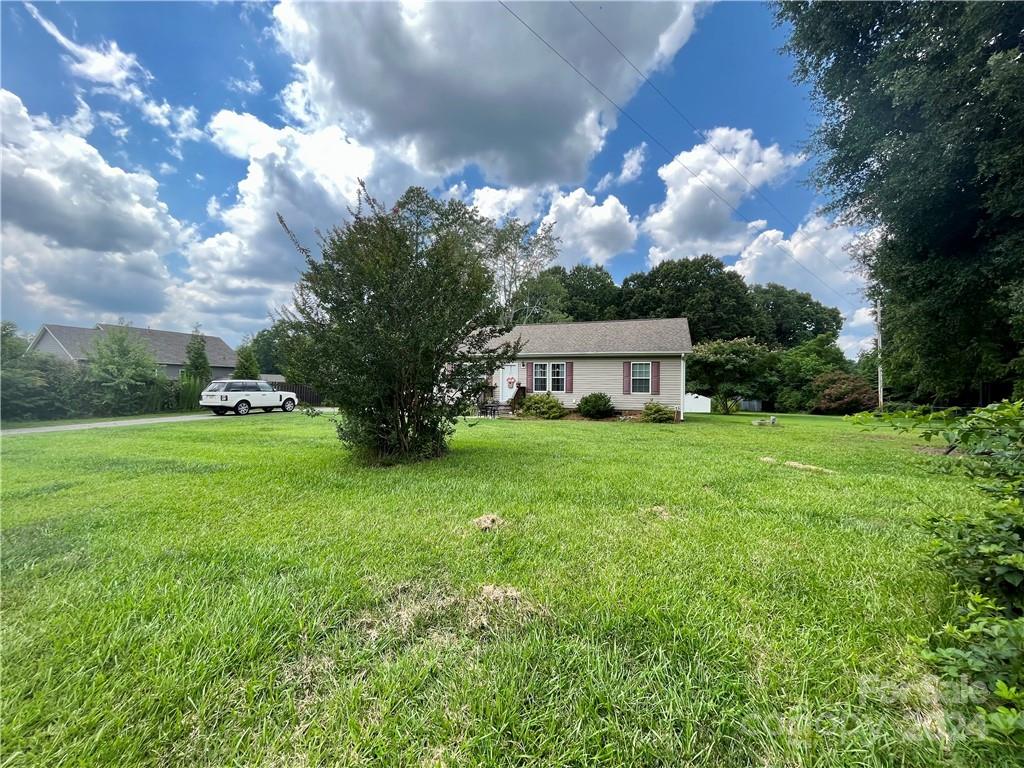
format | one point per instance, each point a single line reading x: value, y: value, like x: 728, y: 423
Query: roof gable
x: 167, y: 346
x: 670, y: 336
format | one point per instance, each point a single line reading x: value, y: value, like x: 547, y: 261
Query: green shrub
x: 596, y: 405
x: 656, y: 413
x: 545, y: 406
x: 189, y: 390
x: 982, y: 549
x: 839, y: 393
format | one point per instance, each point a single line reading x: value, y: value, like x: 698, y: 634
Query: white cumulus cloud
x: 632, y: 167
x: 591, y: 232
x: 703, y: 186
x: 467, y: 83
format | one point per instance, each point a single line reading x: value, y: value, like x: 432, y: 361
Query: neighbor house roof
x: 167, y: 346
x: 670, y: 336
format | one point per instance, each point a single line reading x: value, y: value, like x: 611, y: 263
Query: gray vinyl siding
x: 604, y: 374
x: 219, y: 372
x: 48, y: 345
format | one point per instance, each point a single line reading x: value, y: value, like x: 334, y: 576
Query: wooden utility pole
x: 878, y: 354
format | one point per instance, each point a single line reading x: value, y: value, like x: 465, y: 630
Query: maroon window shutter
x: 655, y: 378
x: 529, y: 377
x: 568, y: 377
x: 627, y: 379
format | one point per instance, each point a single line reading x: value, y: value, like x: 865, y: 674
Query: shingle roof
x: 670, y: 336
x: 167, y: 346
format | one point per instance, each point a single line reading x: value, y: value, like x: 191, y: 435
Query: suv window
x: 217, y: 386
x: 235, y: 386
x: 264, y: 386
x: 250, y: 386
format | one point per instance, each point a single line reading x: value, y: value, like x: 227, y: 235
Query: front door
x: 509, y: 381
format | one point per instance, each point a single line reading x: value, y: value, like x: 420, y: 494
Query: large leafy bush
x: 542, y: 406
x: 596, y: 405
x: 839, y: 393
x: 982, y: 550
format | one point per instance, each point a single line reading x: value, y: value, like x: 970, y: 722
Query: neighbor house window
x: 641, y: 378
x: 540, y: 377
x: 558, y: 377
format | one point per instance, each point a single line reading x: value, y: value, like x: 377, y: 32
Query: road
x: 130, y: 423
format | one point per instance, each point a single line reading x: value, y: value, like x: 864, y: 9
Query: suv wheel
x: 288, y: 405
x: 242, y: 407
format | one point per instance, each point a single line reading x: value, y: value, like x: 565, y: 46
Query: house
x: 632, y: 361
x: 73, y: 343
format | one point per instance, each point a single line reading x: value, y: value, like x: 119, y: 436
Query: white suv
x: 242, y: 395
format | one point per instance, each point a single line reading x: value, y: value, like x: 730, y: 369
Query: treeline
x: 121, y: 377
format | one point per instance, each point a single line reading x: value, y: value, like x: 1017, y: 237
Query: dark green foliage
x: 592, y: 294
x: 596, y: 405
x: 197, y: 364
x: 121, y: 373
x: 730, y: 370
x: 541, y: 299
x: 839, y: 393
x: 542, y: 406
x: 39, y: 386
x: 394, y: 321
x: 656, y: 413
x: 715, y: 299
x: 920, y: 142
x: 789, y: 317
x: 271, y: 346
x: 982, y: 549
x: 187, y: 392
x: 800, y: 366
x: 248, y: 366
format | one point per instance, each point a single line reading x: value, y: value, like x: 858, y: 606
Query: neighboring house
x: 73, y: 343
x: 632, y: 361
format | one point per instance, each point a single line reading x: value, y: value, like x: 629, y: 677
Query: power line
x: 658, y: 143
x: 696, y: 130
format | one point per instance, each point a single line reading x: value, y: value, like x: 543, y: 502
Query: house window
x: 540, y: 377
x: 641, y: 378
x: 558, y: 377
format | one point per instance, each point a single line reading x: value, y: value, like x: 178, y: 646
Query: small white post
x: 682, y: 389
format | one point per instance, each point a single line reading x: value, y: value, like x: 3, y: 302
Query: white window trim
x: 650, y: 376
x: 551, y: 376
x: 547, y: 377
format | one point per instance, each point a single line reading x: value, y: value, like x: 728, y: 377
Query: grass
x: 239, y: 592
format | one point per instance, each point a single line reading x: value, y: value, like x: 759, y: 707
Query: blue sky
x: 147, y: 147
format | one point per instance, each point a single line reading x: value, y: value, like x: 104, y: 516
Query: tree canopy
x: 395, y: 318
x: 920, y: 144
x: 197, y: 364
x: 248, y: 366
x: 788, y: 317
x: 715, y: 299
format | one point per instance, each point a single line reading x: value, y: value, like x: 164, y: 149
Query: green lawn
x: 238, y: 592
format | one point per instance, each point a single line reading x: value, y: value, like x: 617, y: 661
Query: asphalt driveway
x: 131, y: 422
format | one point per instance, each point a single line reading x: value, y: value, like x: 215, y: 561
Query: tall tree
x: 592, y: 294
x: 197, y: 364
x: 799, y: 366
x: 12, y: 344
x: 248, y: 366
x: 542, y: 298
x: 271, y: 346
x: 728, y: 370
x: 920, y: 143
x: 715, y: 300
x: 122, y: 371
x: 791, y: 317
x: 395, y: 315
x: 517, y: 252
